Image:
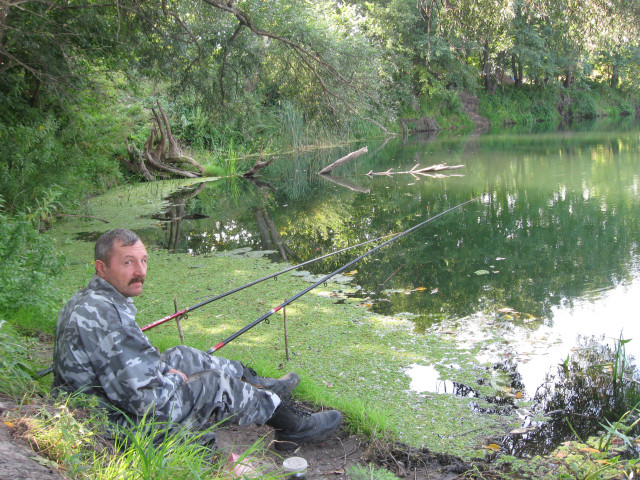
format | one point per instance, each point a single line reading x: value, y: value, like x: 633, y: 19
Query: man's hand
x: 173, y: 370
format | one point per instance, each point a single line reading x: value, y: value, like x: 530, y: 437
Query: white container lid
x: 294, y: 464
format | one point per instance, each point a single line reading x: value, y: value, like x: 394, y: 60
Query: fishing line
x: 327, y: 277
x: 254, y: 282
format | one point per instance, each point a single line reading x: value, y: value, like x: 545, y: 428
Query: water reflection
x: 558, y: 219
x: 593, y: 386
x: 175, y: 213
x: 425, y: 378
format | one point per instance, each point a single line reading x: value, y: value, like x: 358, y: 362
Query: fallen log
x: 165, y: 168
x: 343, y: 160
x: 418, y: 171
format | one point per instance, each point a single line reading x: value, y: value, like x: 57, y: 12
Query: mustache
x: 136, y: 280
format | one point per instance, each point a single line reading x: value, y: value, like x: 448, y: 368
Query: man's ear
x: 101, y: 268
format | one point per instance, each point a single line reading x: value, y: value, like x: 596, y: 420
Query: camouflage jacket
x: 99, y: 349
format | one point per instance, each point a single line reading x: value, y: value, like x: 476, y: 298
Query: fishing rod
x: 244, y: 329
x: 254, y: 282
x: 179, y: 313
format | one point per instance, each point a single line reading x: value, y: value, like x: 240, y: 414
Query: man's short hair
x: 106, y: 242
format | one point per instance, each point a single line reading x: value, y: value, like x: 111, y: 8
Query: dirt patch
x: 470, y: 107
x: 332, y: 458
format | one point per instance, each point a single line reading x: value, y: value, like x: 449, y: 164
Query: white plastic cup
x: 295, y: 468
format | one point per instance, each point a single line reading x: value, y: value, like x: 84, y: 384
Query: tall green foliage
x: 28, y: 262
x: 30, y: 155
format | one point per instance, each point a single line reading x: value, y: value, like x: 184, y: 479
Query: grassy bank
x: 530, y: 106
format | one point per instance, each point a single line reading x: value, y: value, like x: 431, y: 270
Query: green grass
x: 358, y: 472
x: 524, y: 106
x: 16, y: 372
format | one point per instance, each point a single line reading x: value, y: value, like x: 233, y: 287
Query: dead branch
x: 257, y: 166
x: 165, y: 168
x: 418, y: 171
x: 343, y: 160
x: 135, y: 163
x: 162, y: 155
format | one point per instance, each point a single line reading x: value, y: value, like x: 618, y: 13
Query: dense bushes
x: 28, y: 263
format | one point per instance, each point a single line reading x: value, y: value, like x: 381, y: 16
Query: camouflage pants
x: 213, y: 392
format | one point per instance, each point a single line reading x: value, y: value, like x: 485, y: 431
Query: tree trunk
x: 4, y: 12
x: 516, y: 67
x: 35, y: 95
x: 568, y: 78
x: 500, y: 75
x: 615, y: 78
x: 490, y: 83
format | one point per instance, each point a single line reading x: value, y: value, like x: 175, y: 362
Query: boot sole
x: 286, y: 444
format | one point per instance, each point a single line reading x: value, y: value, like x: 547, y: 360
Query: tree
x: 53, y: 45
x: 482, y: 26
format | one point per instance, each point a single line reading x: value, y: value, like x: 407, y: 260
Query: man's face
x: 126, y: 269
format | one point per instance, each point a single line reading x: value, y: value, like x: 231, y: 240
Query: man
x: 100, y: 350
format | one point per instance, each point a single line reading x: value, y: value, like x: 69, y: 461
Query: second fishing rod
x: 327, y: 277
x: 209, y: 300
x: 255, y: 282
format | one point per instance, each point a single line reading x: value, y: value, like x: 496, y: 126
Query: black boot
x: 281, y: 386
x: 295, y: 427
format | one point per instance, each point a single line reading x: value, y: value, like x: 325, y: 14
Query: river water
x: 541, y: 265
